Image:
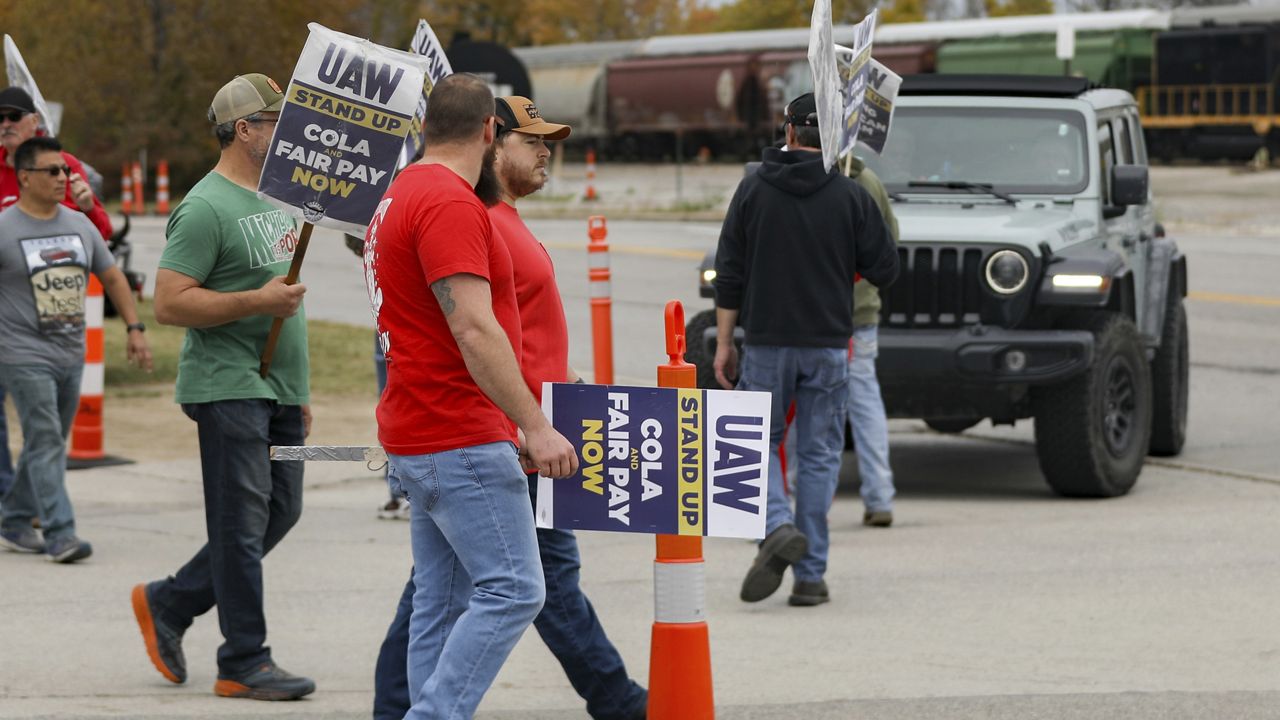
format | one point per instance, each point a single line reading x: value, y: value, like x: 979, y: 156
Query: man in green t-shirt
x: 222, y: 276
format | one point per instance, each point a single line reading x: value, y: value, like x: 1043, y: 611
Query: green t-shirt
x: 229, y: 240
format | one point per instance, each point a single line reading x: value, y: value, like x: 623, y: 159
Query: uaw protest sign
x: 347, y: 111
x: 426, y: 44
x: 668, y: 461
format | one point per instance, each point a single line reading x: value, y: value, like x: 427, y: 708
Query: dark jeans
x: 567, y: 624
x: 6, y: 460
x: 250, y: 503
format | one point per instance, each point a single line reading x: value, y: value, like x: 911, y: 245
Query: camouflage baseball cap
x: 246, y: 95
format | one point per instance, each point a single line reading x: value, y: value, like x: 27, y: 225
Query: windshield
x: 1013, y: 149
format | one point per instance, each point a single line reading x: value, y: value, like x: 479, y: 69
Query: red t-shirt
x: 544, y: 334
x: 431, y: 225
x: 10, y: 190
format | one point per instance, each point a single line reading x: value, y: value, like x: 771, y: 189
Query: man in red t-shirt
x: 569, y: 625
x: 18, y: 124
x: 444, y: 301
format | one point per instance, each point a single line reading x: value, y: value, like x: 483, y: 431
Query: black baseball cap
x: 803, y: 111
x: 16, y: 97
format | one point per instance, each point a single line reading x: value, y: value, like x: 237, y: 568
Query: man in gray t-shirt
x: 46, y: 254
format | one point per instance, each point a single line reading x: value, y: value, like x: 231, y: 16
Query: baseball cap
x: 16, y: 97
x: 246, y: 95
x: 803, y: 111
x: 519, y: 114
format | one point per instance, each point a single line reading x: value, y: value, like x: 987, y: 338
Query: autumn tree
x: 771, y: 14
x: 1007, y: 8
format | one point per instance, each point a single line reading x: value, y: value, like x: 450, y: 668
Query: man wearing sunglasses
x: 18, y: 124
x: 46, y: 254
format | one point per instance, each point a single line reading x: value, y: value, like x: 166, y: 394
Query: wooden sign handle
x: 295, y: 268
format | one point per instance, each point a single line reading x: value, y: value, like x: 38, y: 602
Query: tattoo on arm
x: 444, y: 296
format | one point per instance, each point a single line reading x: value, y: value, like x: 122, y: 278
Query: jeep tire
x: 1092, y: 431
x: 1169, y: 383
x: 695, y: 352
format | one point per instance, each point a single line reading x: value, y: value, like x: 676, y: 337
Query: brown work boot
x: 877, y: 518
x: 806, y: 593
x: 784, y: 546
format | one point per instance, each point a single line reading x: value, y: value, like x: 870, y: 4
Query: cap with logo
x: 519, y: 114
x: 246, y: 95
x: 803, y: 111
x: 17, y: 98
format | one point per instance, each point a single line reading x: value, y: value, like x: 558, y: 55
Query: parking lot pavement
x: 988, y: 598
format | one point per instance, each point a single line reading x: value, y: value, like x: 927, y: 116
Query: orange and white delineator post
x: 139, y: 196
x: 86, y: 429
x: 680, y: 649
x: 599, y: 275
x: 126, y: 190
x: 590, y: 193
x: 162, y: 187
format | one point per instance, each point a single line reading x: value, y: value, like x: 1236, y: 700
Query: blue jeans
x: 477, y: 578
x: 870, y: 427
x: 815, y: 378
x: 250, y: 503
x: 46, y: 398
x: 6, y: 461
x: 567, y: 624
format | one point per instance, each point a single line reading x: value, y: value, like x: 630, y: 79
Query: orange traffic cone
x: 162, y: 188
x: 86, y: 429
x: 126, y: 191
x: 590, y: 194
x: 139, y: 196
x: 680, y: 649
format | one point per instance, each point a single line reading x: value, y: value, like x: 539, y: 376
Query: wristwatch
x: 135, y: 326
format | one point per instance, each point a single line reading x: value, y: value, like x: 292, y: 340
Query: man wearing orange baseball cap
x: 567, y: 622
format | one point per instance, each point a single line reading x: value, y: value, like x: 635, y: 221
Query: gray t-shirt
x: 44, y: 274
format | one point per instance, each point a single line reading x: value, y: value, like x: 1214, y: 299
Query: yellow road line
x: 634, y: 250
x: 1235, y: 299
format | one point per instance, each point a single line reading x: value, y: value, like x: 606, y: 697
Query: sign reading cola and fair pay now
x: 668, y: 461
x: 347, y: 110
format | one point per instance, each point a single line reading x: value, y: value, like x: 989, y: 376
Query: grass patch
x: 341, y: 358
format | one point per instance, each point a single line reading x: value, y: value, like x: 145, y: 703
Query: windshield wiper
x: 965, y: 185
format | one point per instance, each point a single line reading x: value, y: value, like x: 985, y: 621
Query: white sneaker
x: 394, y: 509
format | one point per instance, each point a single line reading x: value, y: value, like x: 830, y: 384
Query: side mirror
x: 1129, y: 185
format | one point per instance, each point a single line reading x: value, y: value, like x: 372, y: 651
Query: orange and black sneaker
x: 164, y: 644
x: 268, y: 681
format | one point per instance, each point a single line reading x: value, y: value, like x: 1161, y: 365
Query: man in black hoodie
x: 792, y: 241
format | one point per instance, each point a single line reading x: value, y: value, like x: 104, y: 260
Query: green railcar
x: 1113, y: 58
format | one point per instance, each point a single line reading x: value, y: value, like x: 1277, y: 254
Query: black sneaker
x: 164, y: 644
x: 266, y: 682
x: 67, y: 549
x: 806, y: 593
x: 783, y: 547
x: 25, y: 541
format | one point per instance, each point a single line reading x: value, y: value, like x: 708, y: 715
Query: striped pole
x: 86, y: 430
x: 162, y: 187
x: 139, y: 195
x: 591, y: 176
x: 126, y: 191
x: 680, y: 649
x: 601, y: 299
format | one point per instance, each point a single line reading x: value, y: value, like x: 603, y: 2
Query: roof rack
x: 1057, y: 86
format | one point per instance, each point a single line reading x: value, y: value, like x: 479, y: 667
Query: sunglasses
x: 53, y: 170
x: 13, y: 115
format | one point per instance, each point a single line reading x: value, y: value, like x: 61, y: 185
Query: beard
x: 521, y: 182
x: 488, y: 188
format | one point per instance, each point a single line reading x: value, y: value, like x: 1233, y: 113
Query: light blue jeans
x: 815, y: 378
x: 6, y: 462
x: 46, y: 398
x: 870, y: 427
x: 477, y: 576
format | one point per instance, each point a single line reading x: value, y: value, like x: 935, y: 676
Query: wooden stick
x: 295, y: 268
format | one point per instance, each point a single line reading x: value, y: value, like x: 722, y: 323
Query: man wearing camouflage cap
x: 221, y: 276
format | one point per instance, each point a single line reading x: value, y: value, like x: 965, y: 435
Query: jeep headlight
x: 708, y: 276
x: 1007, y: 272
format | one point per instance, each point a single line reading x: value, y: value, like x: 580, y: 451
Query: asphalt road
x: 989, y: 598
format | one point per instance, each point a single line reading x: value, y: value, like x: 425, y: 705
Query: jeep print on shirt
x: 57, y: 267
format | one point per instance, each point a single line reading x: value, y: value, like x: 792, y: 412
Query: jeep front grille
x: 941, y: 286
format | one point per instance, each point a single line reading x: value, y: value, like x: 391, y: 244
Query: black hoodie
x: 791, y: 242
